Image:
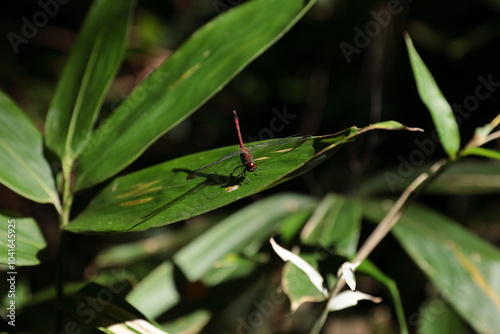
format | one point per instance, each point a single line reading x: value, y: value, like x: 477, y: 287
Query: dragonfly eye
x: 251, y: 166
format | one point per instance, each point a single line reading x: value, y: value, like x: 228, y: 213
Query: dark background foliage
x: 304, y: 73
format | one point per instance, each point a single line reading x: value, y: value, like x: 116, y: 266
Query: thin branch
x: 392, y: 217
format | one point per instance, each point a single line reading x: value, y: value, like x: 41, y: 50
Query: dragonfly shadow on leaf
x: 222, y: 181
x: 169, y: 204
x: 213, y: 179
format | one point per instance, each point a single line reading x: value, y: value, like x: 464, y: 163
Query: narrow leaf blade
x: 24, y: 168
x: 253, y: 223
x: 464, y: 177
x: 432, y: 97
x: 90, y: 68
x: 436, y: 317
x: 463, y: 267
x: 160, y: 282
x: 335, y: 224
x: 161, y: 195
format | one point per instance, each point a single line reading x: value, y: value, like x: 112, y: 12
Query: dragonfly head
x: 251, y: 166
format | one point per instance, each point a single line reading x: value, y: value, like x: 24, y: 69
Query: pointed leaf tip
x: 439, y: 108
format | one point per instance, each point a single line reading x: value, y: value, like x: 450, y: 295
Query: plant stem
x: 392, y: 217
x: 385, y: 226
x: 67, y: 194
x: 411, y: 192
x: 67, y: 200
x: 60, y: 279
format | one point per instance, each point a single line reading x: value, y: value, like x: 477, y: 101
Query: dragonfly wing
x: 198, y: 170
x: 256, y: 148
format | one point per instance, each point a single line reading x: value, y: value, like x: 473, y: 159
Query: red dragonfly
x: 245, y: 156
x: 244, y: 152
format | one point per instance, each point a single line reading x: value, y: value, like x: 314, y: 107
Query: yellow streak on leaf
x: 476, y: 275
x: 140, y: 189
x: 185, y: 75
x: 137, y: 201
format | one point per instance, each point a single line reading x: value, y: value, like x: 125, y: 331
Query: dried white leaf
x: 315, y: 278
x: 346, y: 270
x: 349, y: 298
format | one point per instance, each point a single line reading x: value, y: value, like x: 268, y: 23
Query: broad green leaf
x: 88, y: 73
x: 23, y: 236
x: 463, y: 267
x: 98, y: 306
x: 335, y: 223
x: 160, y: 282
x: 466, y: 177
x: 161, y: 194
x: 23, y: 168
x: 298, y: 286
x: 132, y: 252
x: 432, y: 97
x: 437, y: 317
x: 367, y: 267
x: 230, y: 267
x: 298, y: 261
x: 199, y: 69
x: 292, y: 225
x: 482, y: 152
x: 255, y: 222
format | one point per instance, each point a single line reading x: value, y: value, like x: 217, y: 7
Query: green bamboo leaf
x: 335, y: 223
x: 161, y: 194
x: 464, y: 177
x: 298, y: 286
x: 159, y: 282
x: 24, y: 168
x: 463, y: 267
x: 437, y: 317
x: 230, y: 267
x: 24, y: 238
x: 432, y: 97
x: 129, y: 253
x: 254, y: 223
x: 87, y: 75
x: 199, y: 69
